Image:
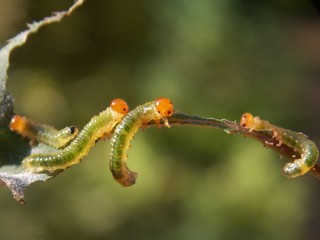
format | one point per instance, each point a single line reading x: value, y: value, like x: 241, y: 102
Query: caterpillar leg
x: 42, y: 133
x: 125, y: 131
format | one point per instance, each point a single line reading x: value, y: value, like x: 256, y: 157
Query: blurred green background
x: 215, y: 58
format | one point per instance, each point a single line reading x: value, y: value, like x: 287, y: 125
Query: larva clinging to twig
x: 297, y: 141
x: 125, y: 130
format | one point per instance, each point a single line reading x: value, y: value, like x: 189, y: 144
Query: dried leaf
x: 13, y: 148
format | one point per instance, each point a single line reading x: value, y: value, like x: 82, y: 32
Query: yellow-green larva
x: 299, y: 142
x: 125, y: 130
x: 42, y: 133
x: 100, y: 126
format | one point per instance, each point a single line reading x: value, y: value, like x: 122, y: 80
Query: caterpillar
x: 297, y: 141
x: 42, y: 133
x: 99, y: 126
x: 156, y: 111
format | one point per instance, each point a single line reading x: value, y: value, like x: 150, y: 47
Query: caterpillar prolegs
x: 42, y: 133
x: 98, y: 127
x: 125, y: 130
x: 299, y: 142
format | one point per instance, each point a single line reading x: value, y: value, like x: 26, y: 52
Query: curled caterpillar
x: 125, y: 130
x: 100, y: 126
x: 42, y: 133
x: 297, y: 141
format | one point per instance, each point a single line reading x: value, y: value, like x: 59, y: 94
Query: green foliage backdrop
x: 213, y: 58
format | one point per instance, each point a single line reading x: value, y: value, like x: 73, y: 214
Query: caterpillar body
x: 299, y: 142
x: 42, y: 133
x: 98, y: 127
x: 125, y: 130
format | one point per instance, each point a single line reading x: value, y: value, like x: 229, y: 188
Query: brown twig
x: 232, y: 127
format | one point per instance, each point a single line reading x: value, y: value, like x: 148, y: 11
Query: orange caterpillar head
x: 18, y: 124
x: 247, y: 120
x: 164, y: 106
x: 119, y: 105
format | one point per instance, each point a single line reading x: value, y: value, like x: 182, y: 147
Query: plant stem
x: 231, y: 127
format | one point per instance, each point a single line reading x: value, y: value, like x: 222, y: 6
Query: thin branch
x: 231, y: 127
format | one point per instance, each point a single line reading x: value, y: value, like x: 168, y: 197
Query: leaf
x: 13, y: 149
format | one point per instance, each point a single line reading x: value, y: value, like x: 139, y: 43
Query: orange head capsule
x: 164, y: 106
x: 119, y: 105
x: 18, y: 123
x: 247, y: 120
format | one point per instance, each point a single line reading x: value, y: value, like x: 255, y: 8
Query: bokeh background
x: 215, y: 58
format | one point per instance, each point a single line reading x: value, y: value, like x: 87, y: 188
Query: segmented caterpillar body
x: 99, y: 127
x: 124, y: 132
x: 307, y: 149
x: 42, y: 133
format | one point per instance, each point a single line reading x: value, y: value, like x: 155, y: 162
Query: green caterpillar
x: 125, y: 130
x: 299, y: 142
x: 42, y: 133
x: 99, y: 127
